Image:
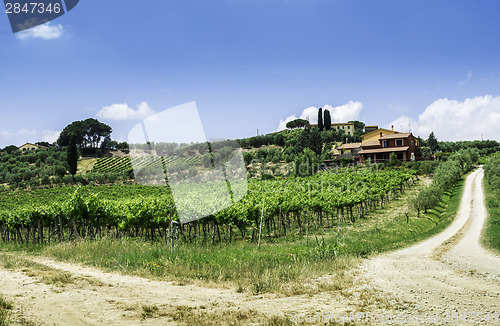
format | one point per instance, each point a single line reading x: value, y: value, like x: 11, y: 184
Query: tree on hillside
x: 297, y: 123
x: 88, y: 133
x: 72, y: 155
x: 10, y: 149
x: 432, y: 142
x: 328, y: 120
x: 309, y: 138
x: 43, y: 143
x: 315, y: 142
x: 358, y: 125
x: 113, y: 144
x: 320, y: 119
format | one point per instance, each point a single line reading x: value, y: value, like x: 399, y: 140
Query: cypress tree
x: 320, y: 119
x: 328, y: 120
x: 72, y: 155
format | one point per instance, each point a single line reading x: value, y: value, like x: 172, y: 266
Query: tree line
x: 446, y: 175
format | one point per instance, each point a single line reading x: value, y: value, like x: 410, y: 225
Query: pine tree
x: 328, y: 120
x: 72, y: 155
x: 432, y: 142
x: 320, y: 119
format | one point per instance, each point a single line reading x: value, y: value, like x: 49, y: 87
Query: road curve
x: 449, y: 273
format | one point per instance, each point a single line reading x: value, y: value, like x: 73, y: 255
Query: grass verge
x: 5, y: 309
x: 491, y: 234
x: 46, y: 274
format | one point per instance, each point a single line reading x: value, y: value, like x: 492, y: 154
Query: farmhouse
x: 348, y: 127
x: 31, y: 147
x: 378, y: 145
x: 402, y: 144
x: 373, y: 136
x: 349, y: 151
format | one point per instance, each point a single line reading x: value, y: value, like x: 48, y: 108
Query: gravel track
x: 449, y: 273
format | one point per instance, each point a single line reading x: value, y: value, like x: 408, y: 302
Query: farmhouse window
x: 399, y: 142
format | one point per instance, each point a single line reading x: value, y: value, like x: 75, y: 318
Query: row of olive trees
x: 446, y: 175
x: 32, y: 169
x: 492, y: 172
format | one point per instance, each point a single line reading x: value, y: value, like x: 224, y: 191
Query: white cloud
x: 124, y: 112
x: 466, y: 81
x: 453, y: 120
x: 346, y: 112
x: 341, y: 113
x: 45, y: 31
x: 50, y: 136
x: 23, y: 136
x: 282, y: 124
x: 403, y: 124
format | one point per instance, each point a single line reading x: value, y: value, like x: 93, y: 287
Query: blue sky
x: 251, y: 64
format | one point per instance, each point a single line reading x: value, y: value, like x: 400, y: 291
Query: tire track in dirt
x: 448, y: 273
x: 118, y: 299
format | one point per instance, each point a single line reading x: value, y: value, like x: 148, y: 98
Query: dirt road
x: 450, y: 274
x: 114, y: 299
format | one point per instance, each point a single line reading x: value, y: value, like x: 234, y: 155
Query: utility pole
x: 257, y: 132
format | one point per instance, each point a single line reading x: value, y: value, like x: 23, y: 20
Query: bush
x: 59, y: 170
x: 112, y: 177
x: 34, y: 183
x: 45, y: 180
x: 67, y: 179
x: 13, y: 178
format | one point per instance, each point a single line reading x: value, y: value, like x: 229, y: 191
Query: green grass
x: 491, y: 235
x: 46, y: 274
x: 5, y: 309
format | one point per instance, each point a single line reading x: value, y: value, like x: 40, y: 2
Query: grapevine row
x: 325, y: 199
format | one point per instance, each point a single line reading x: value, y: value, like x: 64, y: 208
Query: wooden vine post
x: 260, y: 228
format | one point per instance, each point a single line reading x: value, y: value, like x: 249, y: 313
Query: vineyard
x: 326, y: 199
x: 122, y: 164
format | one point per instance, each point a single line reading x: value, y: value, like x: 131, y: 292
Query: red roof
x: 351, y: 146
x: 384, y: 150
x: 394, y: 136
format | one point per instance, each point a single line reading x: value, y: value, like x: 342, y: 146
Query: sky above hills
x: 253, y: 65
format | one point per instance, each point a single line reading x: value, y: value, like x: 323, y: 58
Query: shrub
x: 45, y: 180
x: 59, y: 170
x: 67, y: 179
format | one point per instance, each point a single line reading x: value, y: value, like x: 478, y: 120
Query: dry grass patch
x: 46, y: 274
